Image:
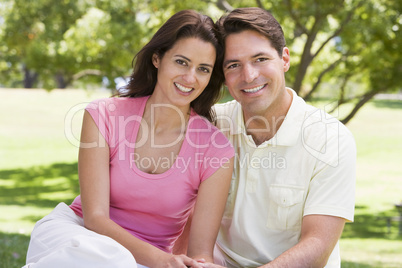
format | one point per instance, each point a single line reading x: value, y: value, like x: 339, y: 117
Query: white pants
x: 61, y: 240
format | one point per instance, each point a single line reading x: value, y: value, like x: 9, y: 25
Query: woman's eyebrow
x: 184, y: 57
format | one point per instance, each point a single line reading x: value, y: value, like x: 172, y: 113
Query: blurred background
x: 56, y: 56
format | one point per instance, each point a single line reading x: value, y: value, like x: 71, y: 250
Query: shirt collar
x: 289, y: 131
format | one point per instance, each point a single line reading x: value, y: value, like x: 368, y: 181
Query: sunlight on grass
x: 368, y: 242
x: 33, y: 125
x: 377, y: 253
x: 25, y: 216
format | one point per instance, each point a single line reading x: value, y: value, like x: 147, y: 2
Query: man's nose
x: 250, y: 73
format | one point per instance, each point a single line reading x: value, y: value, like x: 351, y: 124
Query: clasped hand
x: 182, y: 261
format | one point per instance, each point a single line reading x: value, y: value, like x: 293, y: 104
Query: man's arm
x: 319, y: 235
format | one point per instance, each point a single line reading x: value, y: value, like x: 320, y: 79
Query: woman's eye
x: 204, y: 70
x: 181, y: 62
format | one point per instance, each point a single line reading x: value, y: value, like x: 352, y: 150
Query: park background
x: 56, y: 56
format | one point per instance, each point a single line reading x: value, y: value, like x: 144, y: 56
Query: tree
x: 374, y: 40
x: 55, y: 45
x: 339, y: 44
x: 33, y: 31
x: 343, y: 49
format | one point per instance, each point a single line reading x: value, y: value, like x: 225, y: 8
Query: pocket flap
x: 286, y: 195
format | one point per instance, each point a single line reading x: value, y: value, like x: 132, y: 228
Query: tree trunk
x: 341, y: 99
x: 61, y: 81
x: 305, y: 61
x: 30, y: 78
x: 316, y: 85
x: 366, y: 97
x: 307, y: 57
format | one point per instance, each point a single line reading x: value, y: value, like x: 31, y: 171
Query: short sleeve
x: 100, y: 111
x: 212, y: 148
x: 332, y: 187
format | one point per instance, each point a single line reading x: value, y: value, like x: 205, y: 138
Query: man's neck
x: 263, y: 127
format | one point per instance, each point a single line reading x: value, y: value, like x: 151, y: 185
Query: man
x: 293, y: 185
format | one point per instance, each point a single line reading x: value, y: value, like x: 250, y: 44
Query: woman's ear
x: 155, y: 60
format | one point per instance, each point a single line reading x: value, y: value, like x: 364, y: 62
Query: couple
x: 273, y: 189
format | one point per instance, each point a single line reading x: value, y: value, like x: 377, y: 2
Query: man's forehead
x: 240, y: 45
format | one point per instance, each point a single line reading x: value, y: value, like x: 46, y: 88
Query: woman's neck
x: 166, y: 117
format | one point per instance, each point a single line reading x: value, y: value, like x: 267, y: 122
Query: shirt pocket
x: 285, y: 207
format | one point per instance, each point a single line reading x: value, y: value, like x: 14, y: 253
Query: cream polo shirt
x: 308, y: 167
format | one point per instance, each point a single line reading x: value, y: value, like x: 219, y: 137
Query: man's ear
x: 286, y: 59
x: 155, y: 60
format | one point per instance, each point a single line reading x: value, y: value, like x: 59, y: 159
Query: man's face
x: 254, y: 72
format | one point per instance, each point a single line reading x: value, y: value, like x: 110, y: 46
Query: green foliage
x: 343, y: 49
x: 63, y: 39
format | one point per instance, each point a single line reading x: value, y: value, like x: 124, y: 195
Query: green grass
x: 38, y: 160
x: 38, y: 169
x: 378, y: 133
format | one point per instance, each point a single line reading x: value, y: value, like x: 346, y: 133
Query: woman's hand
x: 179, y: 261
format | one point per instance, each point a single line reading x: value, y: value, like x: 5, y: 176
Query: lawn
x: 39, y: 133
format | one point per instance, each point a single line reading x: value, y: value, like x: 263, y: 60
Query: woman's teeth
x: 254, y: 89
x: 183, y: 88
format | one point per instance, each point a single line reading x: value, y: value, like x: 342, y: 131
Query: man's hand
x: 211, y: 265
x: 174, y: 261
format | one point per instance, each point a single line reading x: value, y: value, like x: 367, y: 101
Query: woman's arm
x: 93, y: 170
x: 208, y: 212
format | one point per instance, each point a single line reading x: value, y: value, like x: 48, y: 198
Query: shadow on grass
x: 368, y: 225
x: 348, y: 264
x: 43, y: 186
x: 393, y: 104
x: 13, y: 250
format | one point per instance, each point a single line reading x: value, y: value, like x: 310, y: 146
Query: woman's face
x: 184, y: 71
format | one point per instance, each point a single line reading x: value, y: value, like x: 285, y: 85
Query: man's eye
x: 232, y: 66
x: 262, y: 59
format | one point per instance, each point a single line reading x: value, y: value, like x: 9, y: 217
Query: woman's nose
x: 190, y: 76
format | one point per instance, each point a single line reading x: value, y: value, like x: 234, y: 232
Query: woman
x: 145, y: 159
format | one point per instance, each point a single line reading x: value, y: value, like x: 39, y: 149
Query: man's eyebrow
x: 226, y: 62
x: 187, y: 59
x: 259, y: 54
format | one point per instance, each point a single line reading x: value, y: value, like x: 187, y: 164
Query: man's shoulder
x: 226, y: 108
x: 228, y: 117
x: 318, y: 117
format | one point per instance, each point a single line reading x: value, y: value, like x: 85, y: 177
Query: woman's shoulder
x: 205, y: 132
x: 119, y: 100
x: 116, y: 104
x: 199, y: 122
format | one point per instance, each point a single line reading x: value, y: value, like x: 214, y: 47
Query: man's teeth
x: 182, y: 88
x: 254, y: 89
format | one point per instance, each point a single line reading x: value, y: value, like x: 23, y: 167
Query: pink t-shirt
x: 154, y: 207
